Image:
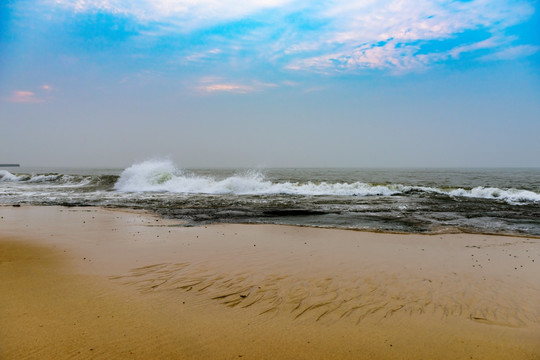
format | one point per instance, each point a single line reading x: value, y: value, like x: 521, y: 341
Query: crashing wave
x: 164, y: 176
x: 7, y: 176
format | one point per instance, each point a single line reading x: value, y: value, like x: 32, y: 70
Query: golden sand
x: 94, y: 283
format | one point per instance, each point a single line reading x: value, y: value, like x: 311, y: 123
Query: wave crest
x: 147, y: 176
x: 510, y: 195
x: 60, y: 180
x: 164, y: 176
x: 7, y: 176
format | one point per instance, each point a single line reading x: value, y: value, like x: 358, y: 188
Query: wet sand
x: 96, y: 283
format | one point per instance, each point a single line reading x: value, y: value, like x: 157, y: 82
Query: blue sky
x: 270, y: 82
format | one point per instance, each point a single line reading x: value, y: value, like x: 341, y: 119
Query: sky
x: 270, y: 83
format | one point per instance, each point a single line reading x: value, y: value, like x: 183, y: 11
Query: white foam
x: 147, y: 176
x: 513, y: 196
x: 164, y: 176
x: 7, y: 176
x: 43, y: 178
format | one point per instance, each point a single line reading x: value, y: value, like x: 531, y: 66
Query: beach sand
x: 99, y: 283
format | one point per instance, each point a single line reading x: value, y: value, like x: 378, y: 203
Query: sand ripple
x: 369, y: 296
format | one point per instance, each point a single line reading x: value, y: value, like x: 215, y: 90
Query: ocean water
x: 505, y: 201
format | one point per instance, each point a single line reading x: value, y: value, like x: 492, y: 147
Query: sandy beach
x: 100, y: 283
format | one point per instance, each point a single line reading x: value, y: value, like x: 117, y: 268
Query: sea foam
x: 509, y: 195
x: 164, y: 176
x: 7, y: 176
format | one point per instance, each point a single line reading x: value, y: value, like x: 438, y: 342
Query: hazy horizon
x: 270, y: 84
x: 24, y: 167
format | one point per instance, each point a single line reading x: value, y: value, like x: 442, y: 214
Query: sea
x: 422, y: 200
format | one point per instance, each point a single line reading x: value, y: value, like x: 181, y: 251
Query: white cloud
x: 348, y: 35
x: 203, y: 55
x: 388, y: 56
x: 513, y: 52
x: 455, y: 53
x: 388, y: 34
x: 421, y: 19
x: 185, y: 14
x: 480, y: 45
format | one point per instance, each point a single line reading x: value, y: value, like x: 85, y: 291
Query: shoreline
x: 186, y: 223
x: 259, y: 291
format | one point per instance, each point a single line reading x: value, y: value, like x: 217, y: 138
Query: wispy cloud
x: 226, y: 87
x: 219, y: 85
x: 337, y: 35
x: 183, y: 14
x: 203, y: 55
x: 387, y: 56
x: 390, y: 34
x: 511, y: 53
x: 22, y: 96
